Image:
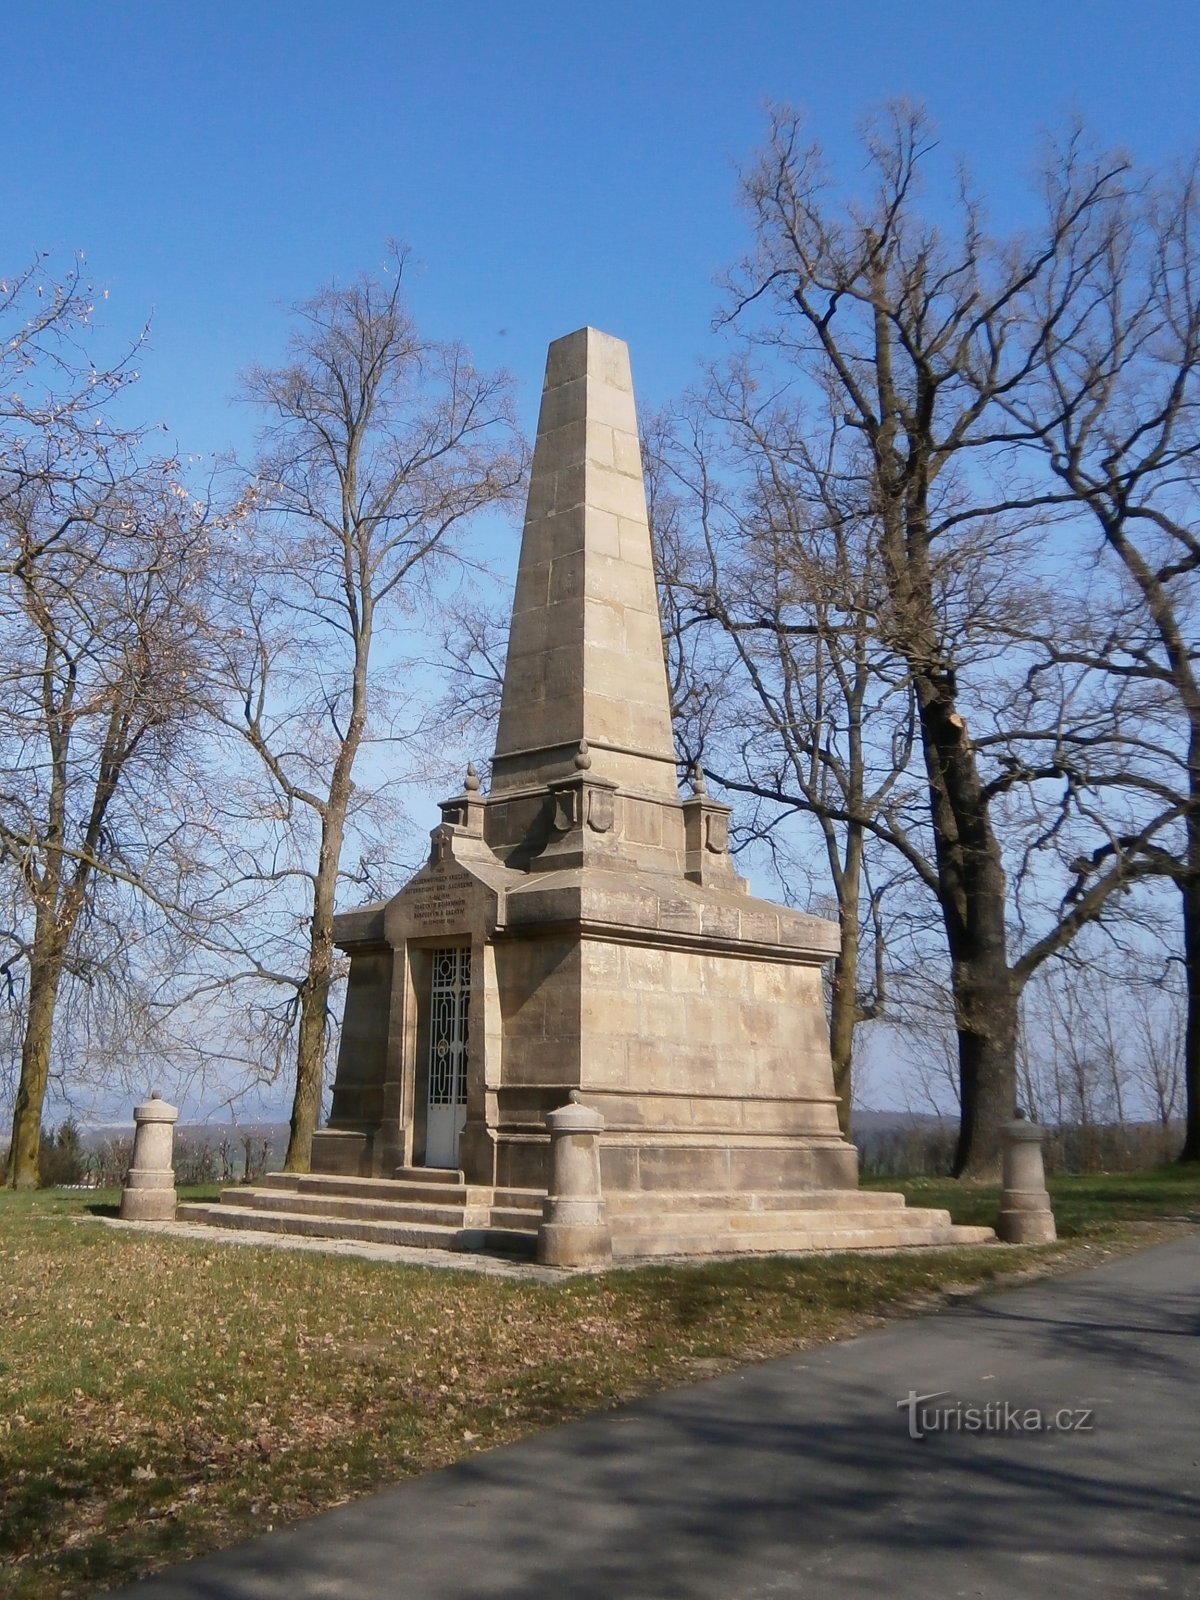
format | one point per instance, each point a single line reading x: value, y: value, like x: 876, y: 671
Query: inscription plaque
x: 435, y: 902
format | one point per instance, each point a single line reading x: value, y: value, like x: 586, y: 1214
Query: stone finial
x: 471, y: 781
x: 574, y: 1232
x: 583, y: 756
x: 1025, y: 1213
x: 149, y: 1194
x: 706, y: 836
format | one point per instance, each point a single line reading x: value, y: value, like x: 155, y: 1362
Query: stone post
x: 1025, y: 1214
x: 150, y: 1184
x: 573, y: 1231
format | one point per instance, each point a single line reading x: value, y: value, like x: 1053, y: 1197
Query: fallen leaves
x: 160, y: 1398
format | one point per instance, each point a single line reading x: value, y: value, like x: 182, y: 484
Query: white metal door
x: 448, y: 1038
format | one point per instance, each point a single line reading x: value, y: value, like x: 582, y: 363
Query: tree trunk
x: 843, y: 998
x: 972, y: 897
x: 310, y: 1071
x: 1190, y: 888
x: 842, y: 1015
x: 318, y: 979
x: 45, y: 975
x: 314, y: 1011
x: 985, y: 1006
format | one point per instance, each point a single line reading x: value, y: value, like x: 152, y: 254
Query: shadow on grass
x: 774, y: 1478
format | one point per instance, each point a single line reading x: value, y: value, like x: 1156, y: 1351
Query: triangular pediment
x: 449, y: 896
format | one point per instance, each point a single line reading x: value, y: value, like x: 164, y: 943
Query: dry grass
x: 162, y: 1397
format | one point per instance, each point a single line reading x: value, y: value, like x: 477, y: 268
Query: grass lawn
x: 161, y: 1397
x: 1090, y: 1208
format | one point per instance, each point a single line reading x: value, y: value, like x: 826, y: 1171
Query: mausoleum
x: 580, y: 932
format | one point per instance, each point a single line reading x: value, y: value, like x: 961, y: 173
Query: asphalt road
x: 800, y: 1477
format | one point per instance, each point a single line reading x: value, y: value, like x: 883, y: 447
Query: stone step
x: 521, y: 1217
x: 501, y: 1240
x: 418, y: 1235
x: 879, y: 1236
x: 361, y: 1188
x: 520, y: 1199
x: 416, y: 1189
x: 393, y: 1210
x: 631, y: 1202
x: 331, y: 1205
x: 800, y: 1219
x: 428, y: 1175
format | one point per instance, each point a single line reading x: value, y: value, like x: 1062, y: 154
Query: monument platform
x: 450, y: 1214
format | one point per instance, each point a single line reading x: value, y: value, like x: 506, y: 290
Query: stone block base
x: 436, y: 1209
x: 342, y: 1153
x: 148, y: 1202
x: 1018, y: 1226
x: 564, y: 1244
x: 665, y: 1164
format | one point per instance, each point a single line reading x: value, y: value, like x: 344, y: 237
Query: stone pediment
x: 449, y: 898
x: 667, y: 910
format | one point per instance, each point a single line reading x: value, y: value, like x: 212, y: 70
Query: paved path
x: 489, y: 1266
x: 798, y: 1478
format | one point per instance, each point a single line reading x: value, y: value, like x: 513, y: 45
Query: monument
x: 579, y: 933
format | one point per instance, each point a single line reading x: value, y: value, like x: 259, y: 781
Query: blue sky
x: 550, y: 164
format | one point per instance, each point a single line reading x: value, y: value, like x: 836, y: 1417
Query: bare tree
x: 1158, y: 1025
x: 380, y: 445
x: 912, y: 338
x: 101, y: 623
x: 472, y: 648
x: 102, y: 571
x: 1116, y: 411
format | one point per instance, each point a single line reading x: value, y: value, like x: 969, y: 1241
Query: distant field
x: 161, y: 1397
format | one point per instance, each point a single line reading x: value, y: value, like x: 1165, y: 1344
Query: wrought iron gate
x: 449, y: 998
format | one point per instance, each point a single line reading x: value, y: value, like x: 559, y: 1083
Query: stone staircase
x: 434, y: 1208
x: 427, y: 1207
x: 645, y: 1225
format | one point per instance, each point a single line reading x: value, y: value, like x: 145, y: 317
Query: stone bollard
x: 1025, y: 1214
x: 573, y: 1231
x: 150, y: 1183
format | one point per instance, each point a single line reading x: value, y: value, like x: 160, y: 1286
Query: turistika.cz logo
x: 997, y: 1416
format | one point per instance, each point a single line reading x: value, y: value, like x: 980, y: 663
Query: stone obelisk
x: 609, y: 945
x: 579, y: 933
x: 585, y: 655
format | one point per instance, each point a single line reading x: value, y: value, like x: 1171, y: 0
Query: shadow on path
x: 799, y: 1478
